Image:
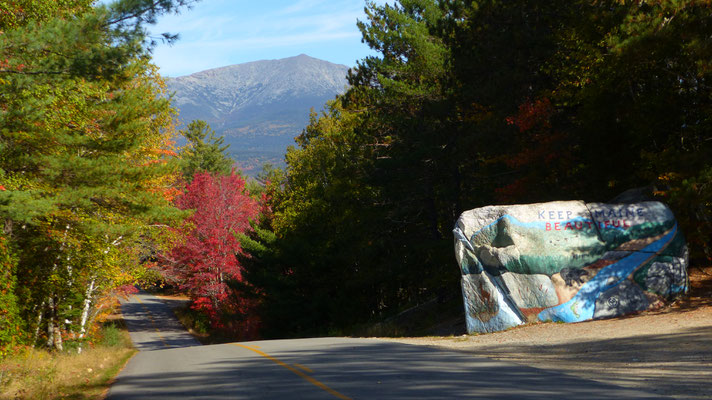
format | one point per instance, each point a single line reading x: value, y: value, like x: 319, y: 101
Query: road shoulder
x: 667, y: 352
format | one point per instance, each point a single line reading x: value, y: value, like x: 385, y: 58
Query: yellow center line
x: 296, y: 371
x: 304, y: 368
x: 153, y: 321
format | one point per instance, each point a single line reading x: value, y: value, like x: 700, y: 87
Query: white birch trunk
x: 85, y: 313
x: 54, y: 328
x: 39, y: 324
x: 54, y: 336
x: 50, y: 323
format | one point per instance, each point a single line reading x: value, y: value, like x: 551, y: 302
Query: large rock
x: 567, y: 261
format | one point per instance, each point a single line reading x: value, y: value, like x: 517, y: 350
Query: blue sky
x: 216, y: 33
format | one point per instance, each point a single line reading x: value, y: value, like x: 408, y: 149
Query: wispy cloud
x: 270, y: 41
x: 300, y: 6
x: 222, y: 32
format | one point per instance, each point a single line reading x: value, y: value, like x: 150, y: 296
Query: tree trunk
x: 50, y: 323
x: 39, y: 324
x: 54, y: 331
x: 58, y: 338
x: 85, y: 313
x: 7, y: 228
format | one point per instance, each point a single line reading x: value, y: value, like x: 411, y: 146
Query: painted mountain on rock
x: 258, y: 106
x: 567, y: 261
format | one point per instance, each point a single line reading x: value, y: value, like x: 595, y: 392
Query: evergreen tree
x: 11, y: 332
x: 83, y: 153
x: 311, y: 260
x: 644, y: 110
x: 204, y: 152
x: 475, y: 102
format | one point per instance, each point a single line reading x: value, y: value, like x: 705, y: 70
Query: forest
x: 465, y: 104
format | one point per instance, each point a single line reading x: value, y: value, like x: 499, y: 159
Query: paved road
x: 334, y: 368
x: 152, y: 324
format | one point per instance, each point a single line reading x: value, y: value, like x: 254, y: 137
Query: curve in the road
x: 171, y: 365
x: 153, y: 325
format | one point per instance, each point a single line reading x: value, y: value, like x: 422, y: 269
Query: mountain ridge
x: 258, y: 106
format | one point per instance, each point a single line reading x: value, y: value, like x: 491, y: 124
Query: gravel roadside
x: 668, y: 352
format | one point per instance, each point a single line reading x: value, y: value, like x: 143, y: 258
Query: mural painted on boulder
x: 567, y: 261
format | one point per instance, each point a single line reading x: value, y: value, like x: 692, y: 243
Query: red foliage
x: 206, y: 260
x: 532, y: 114
x: 514, y: 191
x: 540, y: 156
x: 126, y: 290
x: 538, y: 149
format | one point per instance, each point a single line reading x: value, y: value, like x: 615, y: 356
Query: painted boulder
x: 567, y: 261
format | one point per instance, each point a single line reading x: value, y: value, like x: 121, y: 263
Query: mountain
x: 258, y: 106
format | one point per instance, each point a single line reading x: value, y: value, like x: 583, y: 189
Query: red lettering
x: 579, y: 227
x: 626, y: 224
x: 548, y: 226
x: 589, y: 224
x: 606, y: 223
x: 568, y: 226
x: 557, y: 226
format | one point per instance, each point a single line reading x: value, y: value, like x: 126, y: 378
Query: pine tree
x: 84, y: 150
x: 204, y: 152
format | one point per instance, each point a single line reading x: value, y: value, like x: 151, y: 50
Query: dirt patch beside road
x: 668, y: 352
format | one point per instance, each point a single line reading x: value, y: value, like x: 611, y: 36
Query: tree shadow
x: 355, y: 368
x: 153, y: 325
x: 673, y: 364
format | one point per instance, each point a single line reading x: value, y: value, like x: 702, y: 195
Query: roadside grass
x: 44, y: 375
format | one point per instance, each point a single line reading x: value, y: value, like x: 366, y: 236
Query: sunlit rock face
x: 567, y: 261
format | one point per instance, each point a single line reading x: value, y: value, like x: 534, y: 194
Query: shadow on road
x: 679, y: 364
x: 153, y: 325
x: 358, y: 369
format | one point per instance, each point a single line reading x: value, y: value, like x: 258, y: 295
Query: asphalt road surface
x: 172, y: 365
x: 152, y: 324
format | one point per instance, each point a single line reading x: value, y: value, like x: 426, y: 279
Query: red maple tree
x: 206, y: 259
x: 540, y: 154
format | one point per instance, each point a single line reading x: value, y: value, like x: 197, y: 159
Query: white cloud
x: 222, y: 32
x: 302, y: 5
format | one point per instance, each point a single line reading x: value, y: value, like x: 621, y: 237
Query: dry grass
x: 39, y: 374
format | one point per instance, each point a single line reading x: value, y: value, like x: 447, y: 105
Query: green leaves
x: 85, y: 150
x: 10, y: 323
x: 475, y: 102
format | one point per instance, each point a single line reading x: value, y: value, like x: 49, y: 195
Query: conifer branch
x: 17, y: 72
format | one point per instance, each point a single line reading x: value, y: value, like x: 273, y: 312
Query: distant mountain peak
x: 260, y: 105
x: 294, y: 61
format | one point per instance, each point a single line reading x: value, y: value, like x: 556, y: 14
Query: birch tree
x: 85, y: 149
